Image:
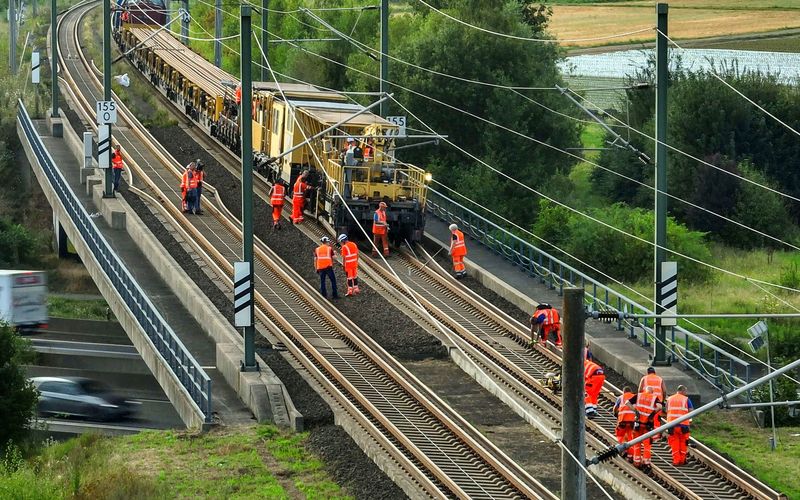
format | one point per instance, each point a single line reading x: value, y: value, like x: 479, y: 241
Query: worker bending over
x: 277, y: 197
x: 679, y: 405
x: 593, y: 379
x: 299, y: 197
x: 350, y: 263
x: 647, y: 407
x: 545, y: 321
x: 380, y: 231
x: 458, y: 250
x: 626, y: 418
x: 323, y: 263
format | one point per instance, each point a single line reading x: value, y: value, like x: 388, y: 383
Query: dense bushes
x: 18, y: 245
x: 17, y: 396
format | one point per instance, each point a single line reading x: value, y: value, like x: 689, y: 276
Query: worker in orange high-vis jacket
x: 679, y: 405
x: 545, y: 322
x: 117, y: 166
x: 593, y: 379
x: 299, y: 197
x: 647, y: 407
x: 239, y: 94
x: 380, y: 230
x: 323, y: 263
x: 350, y: 263
x: 659, y: 389
x: 185, y: 187
x: 277, y: 197
x: 458, y: 250
x: 626, y: 418
x: 200, y: 173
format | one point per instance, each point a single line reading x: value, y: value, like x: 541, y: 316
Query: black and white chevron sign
x: 668, y: 291
x: 242, y: 294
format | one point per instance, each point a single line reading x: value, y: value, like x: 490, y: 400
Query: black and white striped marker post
x: 668, y: 292
x: 35, y: 67
x: 104, y: 146
x: 242, y: 294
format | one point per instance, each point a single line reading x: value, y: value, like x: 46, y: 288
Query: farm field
x: 688, y: 19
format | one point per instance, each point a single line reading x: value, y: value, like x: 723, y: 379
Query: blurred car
x: 81, y: 397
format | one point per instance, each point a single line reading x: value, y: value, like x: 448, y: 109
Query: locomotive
x: 208, y: 95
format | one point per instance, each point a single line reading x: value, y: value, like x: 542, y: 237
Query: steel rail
x: 444, y: 412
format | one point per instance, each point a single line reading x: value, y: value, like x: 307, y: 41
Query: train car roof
x: 299, y: 91
x: 332, y: 112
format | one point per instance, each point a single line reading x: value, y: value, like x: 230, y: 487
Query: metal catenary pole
x: 218, y: 33
x: 54, y: 57
x: 247, y: 173
x: 108, y: 189
x: 384, y: 86
x: 167, y: 6
x: 774, y: 443
x: 662, y: 77
x: 264, y: 40
x: 185, y: 25
x: 12, y: 36
x: 573, y: 477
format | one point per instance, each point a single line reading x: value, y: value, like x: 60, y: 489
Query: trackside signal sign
x: 106, y: 112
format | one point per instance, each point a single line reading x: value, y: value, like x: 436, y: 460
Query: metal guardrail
x: 190, y: 374
x: 723, y: 369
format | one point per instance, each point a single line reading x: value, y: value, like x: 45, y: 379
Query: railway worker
x: 659, y: 388
x: 350, y: 262
x: 239, y: 94
x: 593, y: 379
x: 678, y: 405
x: 546, y: 321
x: 201, y: 175
x: 323, y: 263
x: 299, y: 197
x: 458, y: 250
x: 626, y: 418
x: 369, y: 150
x: 189, y: 183
x: 380, y: 230
x: 116, y: 166
x: 647, y: 407
x: 277, y: 197
x: 185, y: 187
x: 349, y: 153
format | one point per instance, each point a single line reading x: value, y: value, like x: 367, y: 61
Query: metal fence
x: 713, y: 364
x: 191, y: 376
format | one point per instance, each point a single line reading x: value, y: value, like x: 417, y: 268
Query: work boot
x: 356, y: 290
x: 349, y: 292
x: 374, y: 254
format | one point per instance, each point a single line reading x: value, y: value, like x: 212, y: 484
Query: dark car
x: 81, y: 397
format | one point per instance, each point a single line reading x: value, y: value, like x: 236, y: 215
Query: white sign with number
x: 400, y: 121
x: 106, y: 112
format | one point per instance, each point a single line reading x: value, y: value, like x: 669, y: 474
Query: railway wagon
x: 208, y: 95
x: 140, y: 12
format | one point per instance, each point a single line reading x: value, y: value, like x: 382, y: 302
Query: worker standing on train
x: 380, y: 230
x: 679, y: 405
x: 350, y: 262
x: 323, y: 263
x: 626, y: 418
x: 647, y: 407
x: 299, y: 197
x: 659, y: 388
x: 117, y: 166
x: 458, y: 250
x: 201, y: 175
x: 593, y: 379
x: 277, y: 197
x: 545, y: 321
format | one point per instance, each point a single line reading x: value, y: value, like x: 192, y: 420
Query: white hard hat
x: 325, y: 239
x: 350, y: 139
x: 342, y: 238
x: 453, y: 227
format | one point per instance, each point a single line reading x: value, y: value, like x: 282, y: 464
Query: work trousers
x: 678, y: 440
x: 547, y: 332
x: 298, y: 202
x: 458, y: 264
x: 276, y: 213
x: 328, y: 271
x: 641, y: 452
x: 594, y: 385
x: 199, y: 197
x: 381, y: 241
x: 117, y: 176
x: 191, y: 200
x: 624, y: 433
x: 352, y: 279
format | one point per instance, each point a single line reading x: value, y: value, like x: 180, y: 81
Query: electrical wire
x: 528, y: 39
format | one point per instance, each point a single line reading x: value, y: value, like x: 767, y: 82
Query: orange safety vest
x: 459, y: 247
x: 654, y: 381
x: 678, y: 406
x: 379, y: 226
x: 646, y: 406
x: 192, y: 179
x: 324, y: 255
x: 126, y: 16
x: 350, y: 254
x: 185, y: 180
x: 278, y: 193
x: 116, y: 161
x: 299, y: 188
x: 550, y: 316
x: 239, y: 94
x: 590, y: 369
x: 200, y: 176
x: 624, y: 413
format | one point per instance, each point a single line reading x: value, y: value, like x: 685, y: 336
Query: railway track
x: 441, y: 454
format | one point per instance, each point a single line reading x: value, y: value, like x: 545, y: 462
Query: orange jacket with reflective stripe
x: 590, y: 369
x: 678, y: 406
x: 192, y: 179
x: 379, y: 226
x: 185, y: 180
x: 654, y: 381
x: 459, y: 246
x: 324, y: 257
x: 239, y: 94
x: 299, y: 188
x: 116, y: 160
x: 625, y: 414
x: 278, y: 193
x: 646, y: 406
x: 350, y: 254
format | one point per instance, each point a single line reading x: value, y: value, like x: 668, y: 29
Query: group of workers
x: 323, y: 263
x: 192, y: 187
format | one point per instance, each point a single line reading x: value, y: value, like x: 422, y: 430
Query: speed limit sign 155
x: 106, y: 112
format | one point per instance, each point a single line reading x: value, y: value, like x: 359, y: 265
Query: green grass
x: 233, y: 463
x: 734, y: 434
x: 584, y: 195
x: 76, y: 309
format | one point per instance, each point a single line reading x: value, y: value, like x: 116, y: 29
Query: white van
x: 23, y: 299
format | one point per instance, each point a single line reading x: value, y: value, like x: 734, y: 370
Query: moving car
x: 81, y: 397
